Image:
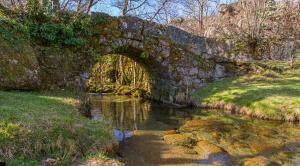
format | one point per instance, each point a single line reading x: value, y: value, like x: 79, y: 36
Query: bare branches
x: 162, y: 6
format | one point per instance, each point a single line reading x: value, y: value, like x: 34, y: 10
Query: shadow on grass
x: 251, y: 96
x: 246, y: 93
x: 30, y: 106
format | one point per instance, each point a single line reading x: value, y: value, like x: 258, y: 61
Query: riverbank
x: 271, y: 94
x: 40, y: 127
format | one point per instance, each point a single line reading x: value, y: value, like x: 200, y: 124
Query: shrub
x: 58, y: 34
x: 100, y: 18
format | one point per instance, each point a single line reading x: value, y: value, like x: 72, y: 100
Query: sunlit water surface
x: 241, y: 137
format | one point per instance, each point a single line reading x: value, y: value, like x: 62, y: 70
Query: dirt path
x: 147, y: 148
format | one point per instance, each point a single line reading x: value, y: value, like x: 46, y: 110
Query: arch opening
x: 119, y: 74
x: 155, y: 78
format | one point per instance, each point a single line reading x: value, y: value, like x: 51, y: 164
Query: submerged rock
x: 170, y: 132
x: 257, y: 161
x: 196, y: 124
x: 216, y: 135
x: 239, y: 148
x: 211, y: 153
x: 177, y: 139
x: 206, y: 148
x: 201, y: 124
x: 292, y: 146
x: 259, y: 147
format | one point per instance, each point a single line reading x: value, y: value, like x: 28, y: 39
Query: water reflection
x: 128, y: 114
x: 125, y: 113
x: 241, y: 137
x: 122, y: 135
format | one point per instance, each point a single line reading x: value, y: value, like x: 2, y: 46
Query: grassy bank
x: 272, y: 94
x: 38, y: 125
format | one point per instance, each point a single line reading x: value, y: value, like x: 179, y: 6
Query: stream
x: 151, y: 133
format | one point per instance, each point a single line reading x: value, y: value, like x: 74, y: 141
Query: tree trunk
x: 135, y: 127
x: 201, y: 4
x: 125, y: 7
x: 201, y: 16
x: 56, y: 5
x: 13, y: 3
x: 134, y: 74
x: 90, y: 4
x: 20, y: 3
x: 78, y: 6
x: 123, y: 119
x: 121, y: 74
x: 292, y: 56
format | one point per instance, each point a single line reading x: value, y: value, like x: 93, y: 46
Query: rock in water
x: 211, y: 153
x: 177, y: 139
x: 257, y: 161
x: 170, y: 132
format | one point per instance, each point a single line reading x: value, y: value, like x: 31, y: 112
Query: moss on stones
x: 60, y: 66
x: 19, y: 66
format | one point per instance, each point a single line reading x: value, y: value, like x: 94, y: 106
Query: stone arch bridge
x: 178, y: 62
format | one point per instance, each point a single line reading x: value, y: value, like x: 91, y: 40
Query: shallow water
x: 140, y: 124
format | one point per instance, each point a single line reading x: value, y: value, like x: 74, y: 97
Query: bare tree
x: 251, y: 32
x: 55, y: 5
x: 192, y: 15
x: 13, y: 4
x: 195, y: 10
x: 288, y: 21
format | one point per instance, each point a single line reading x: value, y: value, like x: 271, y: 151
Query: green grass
x: 268, y: 95
x: 40, y: 125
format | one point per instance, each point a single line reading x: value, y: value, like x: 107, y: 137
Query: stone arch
x: 159, y: 77
x: 178, y: 62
